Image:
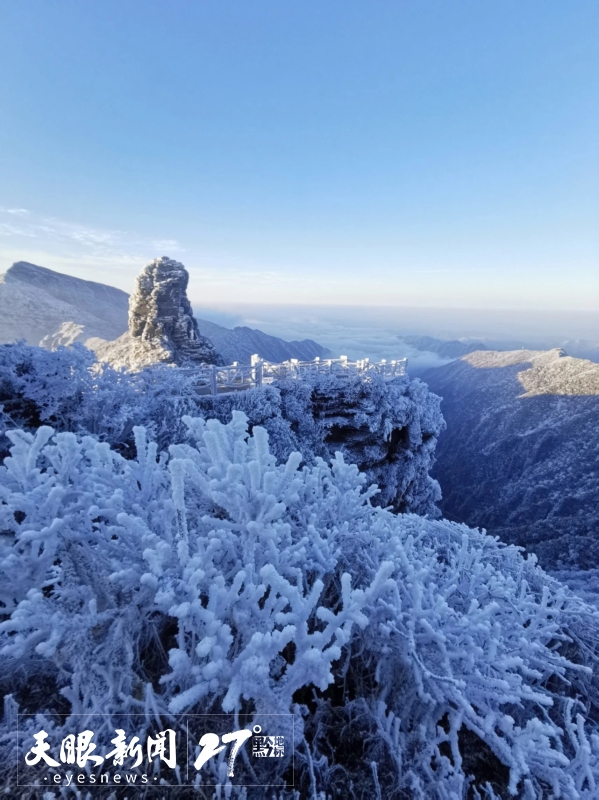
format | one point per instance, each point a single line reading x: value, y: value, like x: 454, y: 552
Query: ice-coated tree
x: 419, y: 658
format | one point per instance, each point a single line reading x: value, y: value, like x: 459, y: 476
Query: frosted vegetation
x: 389, y: 429
x: 209, y: 567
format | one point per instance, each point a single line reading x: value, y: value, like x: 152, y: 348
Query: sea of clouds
x: 376, y: 333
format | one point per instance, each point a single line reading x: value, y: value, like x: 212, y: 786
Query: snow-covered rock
x: 67, y: 334
x: 162, y: 328
x: 520, y: 454
x: 53, y: 309
x: 388, y: 428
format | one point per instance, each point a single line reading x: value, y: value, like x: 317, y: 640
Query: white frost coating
x: 286, y: 591
x: 388, y: 428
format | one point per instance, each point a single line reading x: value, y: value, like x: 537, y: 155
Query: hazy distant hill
x: 520, y: 455
x: 456, y: 348
x: 446, y: 348
x: 39, y: 304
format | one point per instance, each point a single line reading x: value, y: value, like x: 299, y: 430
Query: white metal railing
x: 214, y: 380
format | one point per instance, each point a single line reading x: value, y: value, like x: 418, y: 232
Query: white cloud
x: 172, y: 245
x: 6, y: 229
x: 95, y: 240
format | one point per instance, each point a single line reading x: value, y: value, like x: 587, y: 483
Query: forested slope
x: 520, y: 455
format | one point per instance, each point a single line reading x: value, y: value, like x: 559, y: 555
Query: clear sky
x: 417, y: 152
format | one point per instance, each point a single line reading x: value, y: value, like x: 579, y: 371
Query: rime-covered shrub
x: 388, y: 428
x: 37, y: 386
x: 420, y: 658
x: 68, y: 389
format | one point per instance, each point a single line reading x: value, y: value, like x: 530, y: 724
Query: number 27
x: 210, y: 747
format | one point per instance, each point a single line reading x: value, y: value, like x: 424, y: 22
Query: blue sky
x: 413, y: 153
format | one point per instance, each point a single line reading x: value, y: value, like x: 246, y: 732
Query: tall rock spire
x: 162, y: 328
x: 160, y: 314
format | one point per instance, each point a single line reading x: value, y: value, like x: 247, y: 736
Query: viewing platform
x: 212, y: 380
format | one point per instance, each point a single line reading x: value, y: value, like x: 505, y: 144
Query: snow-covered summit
x: 35, y: 302
x: 549, y: 371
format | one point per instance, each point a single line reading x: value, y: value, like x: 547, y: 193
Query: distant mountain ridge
x: 38, y: 304
x: 456, y: 348
x: 241, y: 342
x: 98, y: 299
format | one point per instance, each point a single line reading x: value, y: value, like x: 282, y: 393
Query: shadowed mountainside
x: 240, y: 343
x: 520, y: 456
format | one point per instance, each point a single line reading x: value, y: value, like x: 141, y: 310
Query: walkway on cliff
x: 214, y: 380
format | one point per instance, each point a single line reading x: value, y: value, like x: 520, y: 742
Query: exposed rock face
x: 162, y: 328
x: 520, y: 453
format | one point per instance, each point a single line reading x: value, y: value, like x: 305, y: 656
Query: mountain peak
x: 161, y: 319
x: 37, y: 303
